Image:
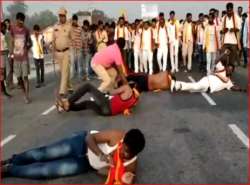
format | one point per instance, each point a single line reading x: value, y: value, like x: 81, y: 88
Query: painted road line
x: 49, y: 110
x: 205, y: 95
x: 237, y: 131
x: 7, y: 139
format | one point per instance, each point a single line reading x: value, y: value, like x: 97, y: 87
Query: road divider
x: 7, y: 139
x: 237, y: 131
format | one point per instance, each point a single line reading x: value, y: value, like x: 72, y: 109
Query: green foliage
x: 43, y: 19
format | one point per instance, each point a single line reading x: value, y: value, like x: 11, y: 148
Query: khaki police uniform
x: 61, y: 41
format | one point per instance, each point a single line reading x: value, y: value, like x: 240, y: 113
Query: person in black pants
x: 38, y: 55
x: 123, y: 98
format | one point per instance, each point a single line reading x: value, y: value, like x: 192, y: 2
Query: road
x: 188, y: 140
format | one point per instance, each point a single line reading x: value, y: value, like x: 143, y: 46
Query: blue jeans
x: 76, y: 62
x: 245, y: 55
x: 201, y: 56
x: 86, y: 58
x: 63, y: 158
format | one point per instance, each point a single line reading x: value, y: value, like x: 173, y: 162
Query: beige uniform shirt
x: 61, y: 36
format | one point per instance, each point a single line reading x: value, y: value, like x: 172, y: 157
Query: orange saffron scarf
x: 116, y: 172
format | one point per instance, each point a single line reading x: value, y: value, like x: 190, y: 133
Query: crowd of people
x: 128, y: 58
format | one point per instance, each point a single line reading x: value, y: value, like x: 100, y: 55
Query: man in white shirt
x: 174, y: 34
x: 231, y: 33
x: 200, y: 29
x: 162, y: 42
x: 188, y: 40
x: 38, y: 55
x: 211, y: 83
x: 136, y: 39
x: 147, y: 44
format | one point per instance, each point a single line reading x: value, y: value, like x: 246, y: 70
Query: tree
x: 43, y: 19
x: 17, y: 6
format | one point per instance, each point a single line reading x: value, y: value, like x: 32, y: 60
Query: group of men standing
x: 148, y: 45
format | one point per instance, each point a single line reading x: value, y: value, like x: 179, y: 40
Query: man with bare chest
x: 145, y: 82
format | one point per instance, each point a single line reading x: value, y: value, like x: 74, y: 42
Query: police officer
x: 61, y: 53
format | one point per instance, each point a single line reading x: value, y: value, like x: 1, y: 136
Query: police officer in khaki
x: 61, y: 51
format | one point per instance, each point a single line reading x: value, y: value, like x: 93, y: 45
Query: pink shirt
x: 108, y: 56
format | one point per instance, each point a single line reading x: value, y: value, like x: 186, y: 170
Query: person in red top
x: 123, y: 99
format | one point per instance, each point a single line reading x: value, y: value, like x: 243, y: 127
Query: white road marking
x: 237, y: 131
x: 205, y: 95
x: 7, y: 139
x: 49, y: 110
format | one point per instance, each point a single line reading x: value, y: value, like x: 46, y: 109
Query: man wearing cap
x: 61, y: 53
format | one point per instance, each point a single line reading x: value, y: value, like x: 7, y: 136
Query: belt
x: 63, y: 50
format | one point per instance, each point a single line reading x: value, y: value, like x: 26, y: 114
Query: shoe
x: 27, y: 100
x: 172, y: 86
x: 5, y: 171
x: 38, y: 86
x: 7, y: 161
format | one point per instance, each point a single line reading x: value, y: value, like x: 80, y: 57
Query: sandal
x: 59, y: 106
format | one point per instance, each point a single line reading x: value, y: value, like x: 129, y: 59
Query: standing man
x: 61, y: 53
x: 147, y: 45
x: 231, y: 33
x: 200, y: 29
x: 188, y: 40
x: 211, y: 43
x: 87, y: 41
x: 174, y: 34
x: 76, y: 46
x: 245, y: 37
x: 38, y: 55
x: 162, y: 42
x: 101, y: 36
x: 9, y: 65
x: 4, y: 52
x: 20, y: 45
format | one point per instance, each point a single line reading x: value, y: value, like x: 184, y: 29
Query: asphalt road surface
x: 188, y: 140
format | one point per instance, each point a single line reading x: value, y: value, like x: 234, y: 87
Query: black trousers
x: 39, y: 64
x: 101, y: 104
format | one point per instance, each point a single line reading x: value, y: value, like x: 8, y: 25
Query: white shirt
x: 137, y: 40
x: 95, y: 161
x: 146, y: 39
x: 171, y: 33
x: 215, y: 83
x: 200, y: 35
x: 35, y: 46
x: 162, y: 38
x: 230, y: 37
x: 121, y: 32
